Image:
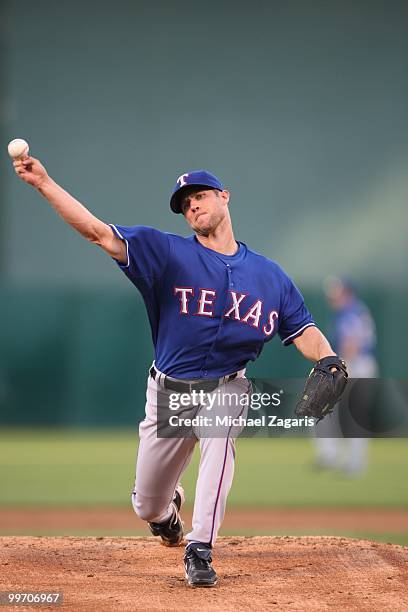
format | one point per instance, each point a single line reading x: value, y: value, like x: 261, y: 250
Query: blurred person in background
x: 353, y: 337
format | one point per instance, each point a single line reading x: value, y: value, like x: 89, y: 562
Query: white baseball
x: 18, y: 148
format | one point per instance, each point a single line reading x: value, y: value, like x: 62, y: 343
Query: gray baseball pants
x: 162, y: 461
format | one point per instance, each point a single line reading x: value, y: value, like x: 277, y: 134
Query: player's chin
x: 202, y: 230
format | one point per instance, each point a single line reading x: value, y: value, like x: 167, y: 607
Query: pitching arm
x: 31, y: 171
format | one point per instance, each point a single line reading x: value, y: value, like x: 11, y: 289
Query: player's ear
x: 225, y: 195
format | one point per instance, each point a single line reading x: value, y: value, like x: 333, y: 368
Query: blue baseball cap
x: 196, y: 178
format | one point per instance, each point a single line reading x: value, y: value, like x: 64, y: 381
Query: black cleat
x: 171, y: 531
x: 197, y: 562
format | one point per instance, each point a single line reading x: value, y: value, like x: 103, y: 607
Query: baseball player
x: 353, y: 335
x: 212, y: 303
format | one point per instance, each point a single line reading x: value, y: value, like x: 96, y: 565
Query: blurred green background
x: 299, y: 107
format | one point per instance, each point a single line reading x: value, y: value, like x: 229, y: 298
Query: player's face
x: 205, y: 209
x: 337, y: 297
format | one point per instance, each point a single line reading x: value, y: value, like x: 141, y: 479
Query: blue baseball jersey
x: 354, y: 321
x: 209, y: 313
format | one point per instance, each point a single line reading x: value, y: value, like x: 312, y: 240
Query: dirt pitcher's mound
x: 273, y: 573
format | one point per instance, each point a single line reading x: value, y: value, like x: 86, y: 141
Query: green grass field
x: 77, y: 467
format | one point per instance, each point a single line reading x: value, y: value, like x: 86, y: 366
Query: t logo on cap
x: 183, y: 179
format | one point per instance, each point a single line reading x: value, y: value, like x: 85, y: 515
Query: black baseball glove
x: 323, y: 388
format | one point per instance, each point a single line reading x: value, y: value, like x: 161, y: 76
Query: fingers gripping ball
x: 18, y: 148
x: 323, y: 388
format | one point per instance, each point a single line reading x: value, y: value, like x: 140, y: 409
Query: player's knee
x: 147, y: 508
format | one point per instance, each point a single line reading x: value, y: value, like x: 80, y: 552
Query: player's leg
x: 215, y: 476
x: 328, y: 438
x: 355, y: 460
x: 328, y: 452
x: 214, y: 481
x: 216, y: 471
x: 357, y: 419
x: 160, y: 464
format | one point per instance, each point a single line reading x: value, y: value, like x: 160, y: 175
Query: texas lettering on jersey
x: 209, y: 313
x: 206, y: 307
